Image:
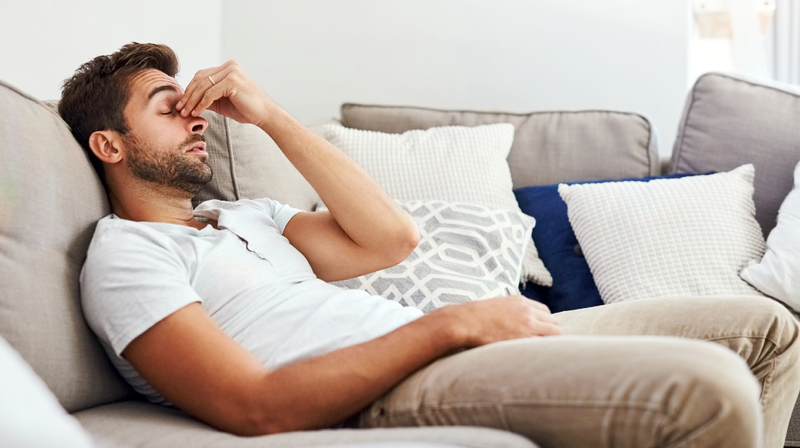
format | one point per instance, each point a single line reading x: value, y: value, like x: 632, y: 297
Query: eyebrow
x: 158, y: 89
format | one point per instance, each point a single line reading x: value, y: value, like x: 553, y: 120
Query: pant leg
x: 760, y: 330
x: 586, y: 391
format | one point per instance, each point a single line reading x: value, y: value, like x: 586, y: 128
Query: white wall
x: 313, y: 55
x: 43, y: 42
x: 510, y: 55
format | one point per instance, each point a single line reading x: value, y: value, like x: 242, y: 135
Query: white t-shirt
x: 253, y: 283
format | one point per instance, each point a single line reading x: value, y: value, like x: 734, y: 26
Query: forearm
x: 322, y: 391
x: 358, y: 204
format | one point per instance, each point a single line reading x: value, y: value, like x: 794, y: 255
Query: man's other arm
x: 196, y: 366
x: 364, y: 229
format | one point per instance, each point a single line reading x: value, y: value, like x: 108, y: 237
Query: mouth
x: 198, y: 148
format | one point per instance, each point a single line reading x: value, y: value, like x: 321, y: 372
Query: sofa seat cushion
x: 135, y: 423
x: 548, y: 147
x: 50, y: 200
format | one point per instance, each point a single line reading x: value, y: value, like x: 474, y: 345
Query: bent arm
x: 195, y: 365
x: 364, y: 231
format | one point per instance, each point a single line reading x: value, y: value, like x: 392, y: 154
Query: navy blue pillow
x: 573, y: 284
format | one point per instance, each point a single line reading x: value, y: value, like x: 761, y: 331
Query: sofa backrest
x: 730, y: 120
x: 548, y: 147
x: 247, y: 164
x: 50, y: 200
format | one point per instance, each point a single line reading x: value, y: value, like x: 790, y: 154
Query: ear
x: 107, y: 146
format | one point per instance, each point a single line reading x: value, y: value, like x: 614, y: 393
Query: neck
x: 145, y: 201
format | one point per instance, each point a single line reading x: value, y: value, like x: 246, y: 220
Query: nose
x: 196, y: 125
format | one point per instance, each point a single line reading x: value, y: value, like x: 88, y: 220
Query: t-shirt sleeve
x: 280, y: 213
x: 130, y: 281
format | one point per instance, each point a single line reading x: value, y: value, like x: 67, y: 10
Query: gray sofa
x: 51, y: 199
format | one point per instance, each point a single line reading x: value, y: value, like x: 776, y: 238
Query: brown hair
x: 94, y: 98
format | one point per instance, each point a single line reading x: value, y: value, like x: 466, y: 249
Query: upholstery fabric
x: 548, y: 147
x: 731, y: 120
x: 450, y: 163
x: 50, y: 200
x: 145, y: 424
x: 466, y: 252
x: 777, y: 274
x: 247, y: 164
x: 667, y: 237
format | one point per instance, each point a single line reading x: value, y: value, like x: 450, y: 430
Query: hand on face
x: 227, y: 90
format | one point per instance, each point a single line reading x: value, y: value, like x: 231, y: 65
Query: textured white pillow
x: 667, y: 237
x: 466, y: 252
x: 30, y: 415
x: 451, y: 163
x: 778, y: 273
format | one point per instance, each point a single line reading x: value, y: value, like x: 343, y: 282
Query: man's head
x: 121, y: 108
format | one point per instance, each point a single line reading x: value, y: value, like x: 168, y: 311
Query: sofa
x: 51, y: 198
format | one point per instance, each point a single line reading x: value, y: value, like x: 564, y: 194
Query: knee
x: 773, y: 322
x: 715, y: 401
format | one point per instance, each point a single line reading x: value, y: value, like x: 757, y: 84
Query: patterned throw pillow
x: 450, y: 163
x: 466, y: 252
x: 667, y: 237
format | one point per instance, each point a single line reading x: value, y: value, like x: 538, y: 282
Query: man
x: 224, y: 312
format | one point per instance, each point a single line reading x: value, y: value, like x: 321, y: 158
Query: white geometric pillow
x: 450, y: 163
x: 669, y: 237
x: 466, y: 252
x: 778, y: 273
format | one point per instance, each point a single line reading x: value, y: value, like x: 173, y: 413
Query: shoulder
x: 117, y: 235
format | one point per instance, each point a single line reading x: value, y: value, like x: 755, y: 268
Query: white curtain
x: 783, y: 42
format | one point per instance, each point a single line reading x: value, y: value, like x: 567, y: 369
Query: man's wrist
x: 450, y: 328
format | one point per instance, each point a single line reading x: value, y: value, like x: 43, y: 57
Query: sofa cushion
x: 667, y: 237
x: 50, y: 200
x: 548, y: 147
x: 466, y: 252
x: 247, y: 164
x: 732, y: 120
x: 144, y: 424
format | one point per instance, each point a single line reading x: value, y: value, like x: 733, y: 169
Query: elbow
x: 405, y: 240
x: 258, y: 422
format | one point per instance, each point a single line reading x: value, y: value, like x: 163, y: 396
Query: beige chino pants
x: 636, y: 374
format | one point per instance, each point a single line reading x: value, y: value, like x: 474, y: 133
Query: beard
x: 174, y: 169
